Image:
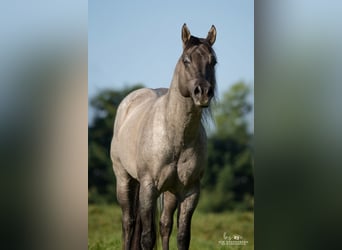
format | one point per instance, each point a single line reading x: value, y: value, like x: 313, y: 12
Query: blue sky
x: 133, y: 42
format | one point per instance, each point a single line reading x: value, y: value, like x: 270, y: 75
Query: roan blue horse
x: 159, y: 147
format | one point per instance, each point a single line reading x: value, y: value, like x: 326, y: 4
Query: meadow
x: 208, y: 229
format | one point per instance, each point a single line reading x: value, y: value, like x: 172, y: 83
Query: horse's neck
x: 183, y: 118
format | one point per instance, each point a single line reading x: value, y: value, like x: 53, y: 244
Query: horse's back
x: 137, y: 101
x: 130, y: 114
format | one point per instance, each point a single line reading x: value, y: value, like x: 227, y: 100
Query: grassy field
x: 104, y: 229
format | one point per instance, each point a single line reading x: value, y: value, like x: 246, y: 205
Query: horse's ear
x: 211, y: 35
x: 185, y: 34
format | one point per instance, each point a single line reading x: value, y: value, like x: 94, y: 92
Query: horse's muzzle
x: 202, y: 94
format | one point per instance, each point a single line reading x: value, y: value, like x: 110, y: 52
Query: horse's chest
x: 189, y: 161
x: 180, y: 173
x: 189, y: 167
x: 171, y: 163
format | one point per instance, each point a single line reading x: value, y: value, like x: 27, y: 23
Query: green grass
x: 104, y: 229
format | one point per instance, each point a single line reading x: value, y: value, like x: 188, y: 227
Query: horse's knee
x: 128, y: 222
x: 165, y: 228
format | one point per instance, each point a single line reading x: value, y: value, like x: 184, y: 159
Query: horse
x: 159, y: 147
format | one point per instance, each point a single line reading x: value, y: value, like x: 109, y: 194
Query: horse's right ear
x: 211, y: 35
x: 185, y: 34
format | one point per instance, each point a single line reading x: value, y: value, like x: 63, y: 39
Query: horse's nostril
x: 197, y: 90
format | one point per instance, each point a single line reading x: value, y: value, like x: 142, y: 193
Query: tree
x: 229, y: 177
x: 230, y: 114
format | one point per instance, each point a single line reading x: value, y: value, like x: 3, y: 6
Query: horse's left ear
x: 211, y: 35
x: 185, y: 34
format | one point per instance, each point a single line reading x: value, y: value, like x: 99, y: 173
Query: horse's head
x: 197, y: 67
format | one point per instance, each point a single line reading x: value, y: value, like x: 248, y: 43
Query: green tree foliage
x: 228, y: 181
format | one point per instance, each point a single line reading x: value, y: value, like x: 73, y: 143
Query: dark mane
x: 193, y: 41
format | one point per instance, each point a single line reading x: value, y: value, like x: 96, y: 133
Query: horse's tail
x: 136, y: 238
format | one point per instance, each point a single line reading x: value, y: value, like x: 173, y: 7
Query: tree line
x: 228, y: 182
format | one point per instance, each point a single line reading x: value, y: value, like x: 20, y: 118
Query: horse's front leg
x: 147, y: 202
x: 166, y: 220
x: 185, y: 212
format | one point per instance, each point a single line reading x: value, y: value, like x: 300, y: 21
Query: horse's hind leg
x: 126, y: 194
x: 166, y: 220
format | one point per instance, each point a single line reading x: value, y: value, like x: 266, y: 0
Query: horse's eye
x: 186, y: 60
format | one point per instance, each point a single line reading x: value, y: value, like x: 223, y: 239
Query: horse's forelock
x: 195, y: 41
